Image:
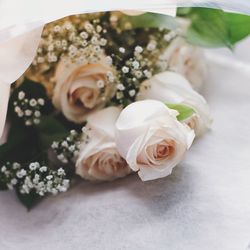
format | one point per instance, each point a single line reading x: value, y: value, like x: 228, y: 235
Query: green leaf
x: 50, y: 130
x: 148, y: 20
x: 29, y: 200
x: 216, y: 28
x: 184, y: 111
x: 20, y: 146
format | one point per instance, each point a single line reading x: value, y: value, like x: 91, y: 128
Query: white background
x: 204, y: 204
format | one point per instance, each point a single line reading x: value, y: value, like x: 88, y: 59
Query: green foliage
x: 215, y: 28
x: 148, y: 20
x: 26, y: 144
x: 184, y: 111
x: 29, y: 200
x: 50, y: 130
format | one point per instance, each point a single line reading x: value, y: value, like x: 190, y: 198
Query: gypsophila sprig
x: 28, y: 109
x: 79, y: 38
x: 67, y: 150
x: 131, y: 73
x: 34, y: 178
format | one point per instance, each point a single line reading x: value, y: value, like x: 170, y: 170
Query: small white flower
x: 151, y: 46
x: 84, y: 35
x: 98, y: 28
x: 14, y: 181
x: 20, y: 114
x: 147, y: 73
x: 33, y: 102
x: 72, y: 48
x: 138, y: 49
x: 138, y: 74
x: 34, y: 165
x: 3, y: 169
x: 21, y: 173
x: 84, y: 43
x: 65, y: 144
x: 97, y: 49
x: 103, y: 42
x: 94, y: 40
x: 132, y: 92
x: 109, y: 60
x: 41, y: 101
x: 16, y: 165
x: 57, y: 29
x: 37, y: 113
x: 72, y: 148
x: 54, y: 191
x: 51, y: 47
x: 125, y: 69
x: 21, y: 95
x: 28, y: 112
x: 88, y: 26
x: 120, y: 87
x: 43, y: 169
x: 49, y: 177
x: 135, y: 64
x: 36, y: 121
x: 122, y: 50
x: 55, y: 145
x: 28, y: 123
x: 17, y: 109
x: 73, y: 132
x: 60, y: 171
x: 119, y: 95
x: 109, y: 74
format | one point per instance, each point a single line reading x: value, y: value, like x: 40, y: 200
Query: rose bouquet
x: 108, y: 95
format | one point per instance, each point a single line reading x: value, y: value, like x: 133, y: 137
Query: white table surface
x: 203, y: 205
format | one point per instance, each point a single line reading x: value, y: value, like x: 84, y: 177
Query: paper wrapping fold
x: 22, y: 21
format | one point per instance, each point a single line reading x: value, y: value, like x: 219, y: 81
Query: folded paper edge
x: 4, y: 99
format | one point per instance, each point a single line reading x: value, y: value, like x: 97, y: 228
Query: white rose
x: 187, y: 60
x: 151, y: 139
x: 99, y: 158
x: 81, y: 89
x: 170, y: 87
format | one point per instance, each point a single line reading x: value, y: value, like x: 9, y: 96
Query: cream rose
x: 81, y: 89
x: 187, y: 60
x: 170, y: 87
x: 99, y: 159
x: 151, y: 139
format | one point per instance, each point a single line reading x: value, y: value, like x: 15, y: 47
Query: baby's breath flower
x: 120, y: 87
x: 28, y: 110
x: 122, y: 50
x: 21, y: 95
x: 132, y: 92
x: 135, y: 64
x: 32, y: 179
x: 33, y: 102
x: 125, y: 69
x: 138, y: 49
x: 152, y: 45
x: 67, y: 149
